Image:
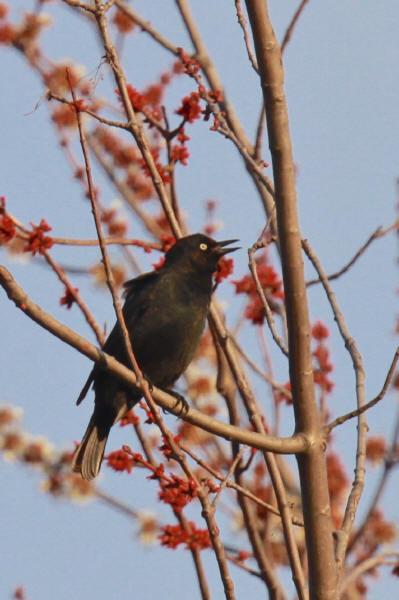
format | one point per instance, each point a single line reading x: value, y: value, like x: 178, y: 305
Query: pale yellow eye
x: 203, y: 247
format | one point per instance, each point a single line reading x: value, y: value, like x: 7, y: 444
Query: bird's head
x: 198, y: 251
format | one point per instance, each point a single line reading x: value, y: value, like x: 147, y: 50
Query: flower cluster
x: 7, y: 227
x: 68, y: 299
x: 38, y: 453
x: 37, y: 240
x: 376, y: 448
x: 119, y: 460
x: 173, y: 536
x: 116, y: 225
x: 321, y: 355
x: 123, y: 22
x: 177, y: 492
x: 271, y: 285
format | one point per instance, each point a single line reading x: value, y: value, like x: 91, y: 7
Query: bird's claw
x: 180, y: 400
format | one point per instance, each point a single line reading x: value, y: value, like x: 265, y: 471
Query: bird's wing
x: 136, y: 303
x: 133, y: 310
x: 138, y: 283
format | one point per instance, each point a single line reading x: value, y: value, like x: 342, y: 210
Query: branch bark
x: 291, y: 445
x: 312, y: 465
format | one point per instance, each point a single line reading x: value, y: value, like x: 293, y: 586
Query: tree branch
x: 359, y: 411
x: 312, y: 464
x: 16, y: 294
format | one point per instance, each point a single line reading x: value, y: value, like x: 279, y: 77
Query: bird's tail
x: 89, y: 454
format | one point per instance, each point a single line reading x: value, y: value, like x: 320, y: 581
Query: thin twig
x: 135, y: 126
x: 243, y: 24
x: 291, y: 26
x: 359, y: 411
x: 274, y: 384
x: 390, y: 462
x: 77, y: 298
x: 357, y: 361
x: 367, y: 565
x: 120, y: 241
x: 229, y: 473
x: 268, y: 311
x: 122, y: 187
x: 377, y: 233
x: 52, y: 96
x: 259, y: 132
x: 235, y: 486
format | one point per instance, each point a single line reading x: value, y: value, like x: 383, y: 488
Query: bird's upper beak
x: 221, y: 250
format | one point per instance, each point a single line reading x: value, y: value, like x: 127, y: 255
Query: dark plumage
x: 165, y: 314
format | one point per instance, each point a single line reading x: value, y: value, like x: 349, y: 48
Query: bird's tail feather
x: 89, y: 454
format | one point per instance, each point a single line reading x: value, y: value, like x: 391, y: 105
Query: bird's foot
x: 180, y: 400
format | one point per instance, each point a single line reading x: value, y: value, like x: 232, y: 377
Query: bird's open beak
x: 221, y: 250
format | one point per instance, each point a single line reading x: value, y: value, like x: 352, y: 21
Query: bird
x: 165, y: 312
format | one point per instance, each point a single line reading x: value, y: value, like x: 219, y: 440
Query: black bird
x: 165, y: 314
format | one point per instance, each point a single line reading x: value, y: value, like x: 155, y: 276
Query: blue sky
x: 342, y: 91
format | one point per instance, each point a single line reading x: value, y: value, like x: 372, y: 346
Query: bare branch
x: 291, y: 445
x: 235, y: 486
x: 291, y: 26
x: 390, y: 461
x: 229, y: 473
x: 359, y: 411
x: 268, y: 311
x: 377, y: 233
x: 243, y: 24
x: 357, y: 361
x: 77, y: 298
x: 312, y: 465
x: 385, y: 558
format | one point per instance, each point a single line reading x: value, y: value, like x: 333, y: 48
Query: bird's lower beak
x: 221, y: 250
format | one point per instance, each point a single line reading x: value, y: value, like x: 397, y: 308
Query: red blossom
x: 168, y: 241
x: 178, y: 492
x: 195, y: 539
x: 180, y: 154
x: 3, y: 10
x: 142, y: 244
x: 215, y: 96
x: 190, y: 109
x: 320, y: 331
x: 150, y: 417
x: 225, y: 268
x: 242, y: 555
x: 190, y: 65
x: 7, y: 33
x: 64, y: 116
x: 322, y: 367
x: 165, y: 447
x: 216, y: 124
x: 119, y: 460
x: 376, y: 448
x: 38, y: 242
x: 129, y: 419
x: 158, y: 265
x: 7, y: 227
x: 281, y: 397
x: 137, y: 99
x: 67, y: 300
x: 271, y: 284
x: 182, y: 137
x: 123, y: 22
x: 162, y: 169
x: 337, y: 478
x: 19, y: 593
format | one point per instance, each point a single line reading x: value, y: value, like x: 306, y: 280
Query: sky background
x: 343, y: 95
